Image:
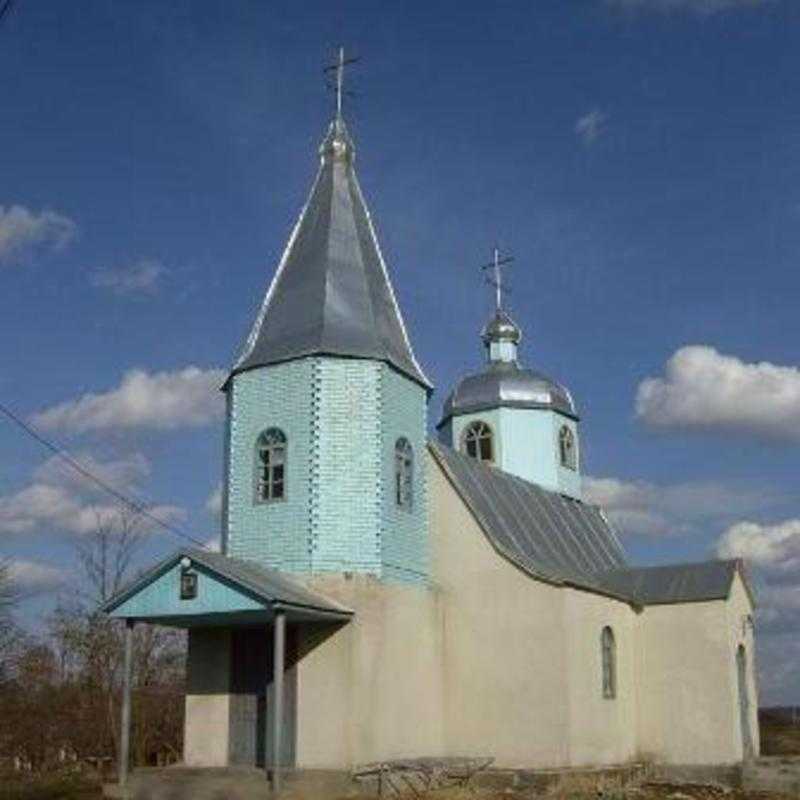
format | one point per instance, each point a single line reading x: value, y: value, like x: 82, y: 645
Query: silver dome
x: 501, y: 328
x: 507, y: 385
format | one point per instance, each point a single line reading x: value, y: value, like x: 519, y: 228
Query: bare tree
x: 107, y: 553
x: 8, y: 632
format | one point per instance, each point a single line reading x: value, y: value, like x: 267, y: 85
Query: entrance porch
x: 243, y: 623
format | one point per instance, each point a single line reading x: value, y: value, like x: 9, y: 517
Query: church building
x: 388, y: 588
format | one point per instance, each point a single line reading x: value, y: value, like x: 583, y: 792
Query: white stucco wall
x: 688, y: 703
x: 489, y: 661
x: 601, y: 730
x: 373, y: 689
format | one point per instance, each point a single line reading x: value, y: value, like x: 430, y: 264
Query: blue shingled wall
x: 276, y: 534
x: 342, y: 417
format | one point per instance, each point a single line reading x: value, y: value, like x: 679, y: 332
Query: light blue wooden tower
x: 327, y: 405
x: 514, y: 418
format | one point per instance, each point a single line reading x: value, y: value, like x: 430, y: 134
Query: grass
x: 57, y: 786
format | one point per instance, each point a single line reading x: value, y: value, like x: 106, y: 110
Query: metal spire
x: 496, y: 279
x: 338, y: 87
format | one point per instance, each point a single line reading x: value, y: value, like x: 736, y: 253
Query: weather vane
x: 338, y: 87
x: 496, y: 277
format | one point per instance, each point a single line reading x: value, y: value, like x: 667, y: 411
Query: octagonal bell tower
x: 327, y: 405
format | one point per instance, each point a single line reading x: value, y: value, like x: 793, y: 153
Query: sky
x: 639, y: 158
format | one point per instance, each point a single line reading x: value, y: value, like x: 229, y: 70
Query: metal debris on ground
x: 418, y: 776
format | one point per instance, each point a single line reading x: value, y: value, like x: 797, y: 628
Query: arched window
x: 609, y: 656
x: 477, y: 441
x: 566, y: 448
x: 271, y: 466
x: 404, y: 473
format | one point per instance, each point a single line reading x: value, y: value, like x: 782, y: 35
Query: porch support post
x: 125, y: 732
x: 279, y: 658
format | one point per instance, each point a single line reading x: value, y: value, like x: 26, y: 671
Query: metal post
x: 279, y: 657
x: 125, y: 733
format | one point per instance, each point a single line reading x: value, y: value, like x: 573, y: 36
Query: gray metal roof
x: 550, y: 536
x: 331, y: 293
x: 675, y: 583
x: 564, y: 541
x: 273, y: 587
x: 504, y: 384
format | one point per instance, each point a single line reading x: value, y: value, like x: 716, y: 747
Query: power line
x: 134, y: 505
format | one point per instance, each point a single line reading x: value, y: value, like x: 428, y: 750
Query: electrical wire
x: 134, y: 505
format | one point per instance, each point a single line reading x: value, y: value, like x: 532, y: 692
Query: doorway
x: 744, y: 704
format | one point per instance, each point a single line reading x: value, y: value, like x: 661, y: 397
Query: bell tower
x: 327, y: 405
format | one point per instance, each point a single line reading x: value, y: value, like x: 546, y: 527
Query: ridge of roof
x: 331, y: 293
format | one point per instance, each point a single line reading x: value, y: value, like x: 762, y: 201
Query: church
x: 387, y: 588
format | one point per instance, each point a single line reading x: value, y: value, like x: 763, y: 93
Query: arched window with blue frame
x: 404, y: 473
x: 271, y: 463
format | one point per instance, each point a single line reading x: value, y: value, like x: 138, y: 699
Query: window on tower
x: 271, y: 466
x: 477, y: 441
x: 404, y: 473
x: 609, y: 658
x: 566, y: 448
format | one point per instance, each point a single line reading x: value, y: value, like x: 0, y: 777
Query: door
x: 744, y: 704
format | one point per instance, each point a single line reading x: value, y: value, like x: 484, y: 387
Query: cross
x: 496, y: 265
x: 338, y: 67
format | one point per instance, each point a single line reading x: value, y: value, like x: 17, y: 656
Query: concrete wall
x: 372, y: 689
x: 207, y: 723
x: 688, y: 703
x: 601, y: 730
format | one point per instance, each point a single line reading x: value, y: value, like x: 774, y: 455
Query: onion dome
x: 501, y: 328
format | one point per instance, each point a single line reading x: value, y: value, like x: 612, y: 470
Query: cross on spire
x: 338, y: 87
x: 496, y: 278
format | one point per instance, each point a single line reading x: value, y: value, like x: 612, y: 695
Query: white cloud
x: 703, y: 389
x: 214, y: 502
x: 214, y: 544
x: 648, y: 509
x: 24, y: 232
x: 163, y: 400
x: 32, y: 576
x: 141, y: 277
x: 773, y: 546
x: 60, y: 500
x: 591, y: 126
x: 122, y: 473
x: 704, y: 7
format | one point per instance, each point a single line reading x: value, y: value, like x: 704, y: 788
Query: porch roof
x: 230, y: 591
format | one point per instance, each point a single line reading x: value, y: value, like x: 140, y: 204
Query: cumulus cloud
x: 163, y: 400
x: 704, y: 7
x: 141, y: 277
x: 703, y: 389
x: 33, y: 576
x: 774, y: 546
x: 772, y: 554
x: 121, y: 473
x: 591, y: 126
x: 648, y: 509
x: 23, y: 233
x: 58, y: 502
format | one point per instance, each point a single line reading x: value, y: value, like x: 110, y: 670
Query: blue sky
x: 640, y: 158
